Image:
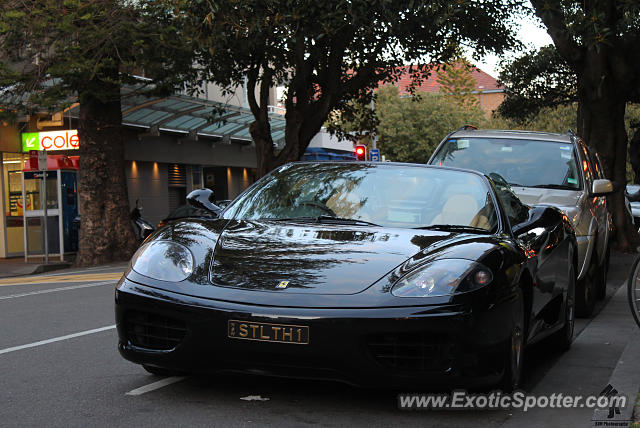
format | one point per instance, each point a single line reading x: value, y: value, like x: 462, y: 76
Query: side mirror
x: 203, y: 199
x: 539, y: 217
x: 601, y: 187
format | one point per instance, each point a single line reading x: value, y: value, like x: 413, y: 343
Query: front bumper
x: 430, y: 347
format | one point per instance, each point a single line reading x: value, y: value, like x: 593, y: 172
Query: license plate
x: 266, y: 332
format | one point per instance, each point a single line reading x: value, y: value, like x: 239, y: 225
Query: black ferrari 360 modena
x: 369, y: 273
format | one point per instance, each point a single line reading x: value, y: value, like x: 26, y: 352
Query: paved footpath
x: 587, y: 368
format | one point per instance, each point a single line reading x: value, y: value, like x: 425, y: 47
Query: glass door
x: 34, y: 213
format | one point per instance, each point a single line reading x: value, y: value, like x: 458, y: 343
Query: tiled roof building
x: 489, y: 92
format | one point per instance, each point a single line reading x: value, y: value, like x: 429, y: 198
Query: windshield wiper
x: 554, y: 186
x: 454, y: 228
x: 331, y: 219
x: 288, y: 219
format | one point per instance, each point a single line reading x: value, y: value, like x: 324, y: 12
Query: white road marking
x: 254, y: 398
x: 56, y: 339
x: 156, y: 385
x: 52, y: 290
x: 85, y: 270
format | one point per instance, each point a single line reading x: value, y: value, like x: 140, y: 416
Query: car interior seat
x: 462, y: 210
x: 458, y: 209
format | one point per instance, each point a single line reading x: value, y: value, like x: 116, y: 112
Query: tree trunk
x: 601, y: 124
x: 106, y: 231
x: 634, y: 155
x: 266, y: 158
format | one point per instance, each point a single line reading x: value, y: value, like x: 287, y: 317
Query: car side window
x: 597, y: 165
x: 586, y: 162
x: 516, y: 211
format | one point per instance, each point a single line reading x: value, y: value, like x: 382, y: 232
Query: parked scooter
x: 141, y: 226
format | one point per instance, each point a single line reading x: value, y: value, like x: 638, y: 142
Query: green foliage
x: 549, y: 77
x: 457, y: 83
x: 536, y: 81
x: 410, y: 128
x: 594, y: 25
x: 330, y: 54
x: 549, y: 119
x: 53, y: 49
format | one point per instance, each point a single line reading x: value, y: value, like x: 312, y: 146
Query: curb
x: 52, y: 266
x: 25, y: 270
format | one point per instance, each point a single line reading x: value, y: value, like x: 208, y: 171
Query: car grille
x: 153, y: 331
x: 421, y: 352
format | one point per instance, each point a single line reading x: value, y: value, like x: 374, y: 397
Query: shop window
x: 196, y: 177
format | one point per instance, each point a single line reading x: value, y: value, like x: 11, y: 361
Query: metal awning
x: 193, y: 117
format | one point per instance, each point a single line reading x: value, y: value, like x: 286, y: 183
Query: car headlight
x: 163, y: 260
x: 443, y: 278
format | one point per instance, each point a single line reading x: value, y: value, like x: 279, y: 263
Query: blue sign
x: 375, y: 155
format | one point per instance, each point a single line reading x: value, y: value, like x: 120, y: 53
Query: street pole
x: 46, y: 236
x: 42, y: 166
x: 374, y: 138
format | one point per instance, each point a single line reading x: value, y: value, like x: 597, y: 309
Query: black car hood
x: 314, y: 258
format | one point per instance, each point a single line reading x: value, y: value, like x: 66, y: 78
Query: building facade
x: 172, y: 146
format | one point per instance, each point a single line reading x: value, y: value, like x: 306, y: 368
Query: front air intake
x: 154, y: 331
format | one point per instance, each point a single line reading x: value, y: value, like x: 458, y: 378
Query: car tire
x: 586, y: 291
x: 563, y: 338
x: 159, y: 371
x: 514, y: 353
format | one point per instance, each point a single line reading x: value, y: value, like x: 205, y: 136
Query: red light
x: 360, y: 151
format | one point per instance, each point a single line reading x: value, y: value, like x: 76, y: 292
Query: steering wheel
x: 322, y: 206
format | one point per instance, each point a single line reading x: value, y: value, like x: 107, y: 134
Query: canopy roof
x: 193, y: 117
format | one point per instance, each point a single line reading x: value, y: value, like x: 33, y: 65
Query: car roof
x: 513, y: 134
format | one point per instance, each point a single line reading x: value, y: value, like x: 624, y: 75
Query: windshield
x: 383, y: 195
x: 527, y: 163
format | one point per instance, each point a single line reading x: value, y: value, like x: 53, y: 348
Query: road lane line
x: 52, y: 290
x: 44, y: 279
x: 90, y: 270
x: 156, y: 385
x: 56, y: 339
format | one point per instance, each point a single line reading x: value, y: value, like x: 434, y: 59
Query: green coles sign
x: 50, y: 141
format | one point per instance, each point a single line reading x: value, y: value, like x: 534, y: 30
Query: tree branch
x: 252, y: 79
x: 550, y: 11
x: 265, y: 85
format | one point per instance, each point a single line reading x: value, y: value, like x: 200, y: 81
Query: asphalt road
x: 59, y: 367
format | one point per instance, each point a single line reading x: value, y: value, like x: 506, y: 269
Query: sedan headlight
x: 443, y: 278
x: 163, y: 260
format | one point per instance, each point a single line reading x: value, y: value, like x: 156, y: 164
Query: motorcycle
x: 141, y: 226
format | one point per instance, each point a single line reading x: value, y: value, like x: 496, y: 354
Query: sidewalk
x: 17, y: 266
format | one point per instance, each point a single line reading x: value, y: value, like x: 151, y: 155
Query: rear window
x: 526, y: 163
